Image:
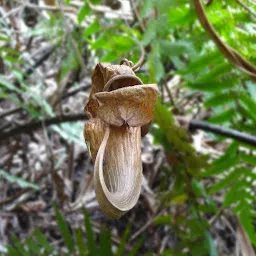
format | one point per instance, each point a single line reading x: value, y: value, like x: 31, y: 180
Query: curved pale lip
x: 116, y: 199
x: 121, y: 77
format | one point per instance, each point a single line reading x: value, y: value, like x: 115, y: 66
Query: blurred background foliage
x: 199, y: 199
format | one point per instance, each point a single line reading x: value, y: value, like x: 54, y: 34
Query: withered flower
x: 121, y: 108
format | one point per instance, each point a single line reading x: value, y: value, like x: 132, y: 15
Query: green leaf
x: 136, y: 248
x: 202, y: 63
x: 250, y: 159
x: 150, y: 33
x: 33, y: 248
x: 181, y: 16
x: 218, y: 70
x: 89, y: 232
x: 12, y: 59
x: 196, y: 227
x: 212, y: 248
x: 176, y: 48
x: 64, y: 230
x: 11, y: 251
x: 7, y: 84
x: 155, y: 60
x: 176, y: 140
x: 11, y: 51
x: 5, y: 38
x: 92, y: 28
x: 146, y: 8
x: 80, y: 243
x: 110, y: 56
x: 21, y: 182
x: 244, y: 112
x: 198, y: 188
x: 84, y: 11
x: 234, y: 194
x: 228, y: 180
x: 161, y: 5
x: 102, y: 42
x: 223, y: 117
x: 220, y: 99
x: 200, y: 191
x: 220, y: 165
x: 163, y: 220
x: 251, y: 88
x: 211, y: 85
x: 96, y: 1
x: 246, y: 219
x: 121, y: 248
x: 105, y: 243
x: 162, y: 27
x: 19, y: 246
x: 41, y: 239
x: 70, y: 132
x: 249, y: 103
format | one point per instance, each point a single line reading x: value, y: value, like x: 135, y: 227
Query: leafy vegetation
x: 37, y: 243
x: 195, y: 188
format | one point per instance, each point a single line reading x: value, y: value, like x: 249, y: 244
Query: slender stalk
x: 231, y: 54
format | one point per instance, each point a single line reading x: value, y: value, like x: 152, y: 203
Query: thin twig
x: 39, y: 62
x: 21, y: 192
x: 75, y: 91
x: 137, y: 16
x: 231, y: 133
x: 142, y: 229
x: 246, y: 8
x: 11, y: 12
x: 142, y: 57
x: 10, y: 112
x: 135, y: 67
x: 213, y: 220
x: 29, y: 71
x: 169, y: 92
x: 32, y: 126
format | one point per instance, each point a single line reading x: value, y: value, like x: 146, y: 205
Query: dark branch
x: 240, y: 136
x: 34, y: 125
x: 39, y: 62
x: 10, y: 112
x: 75, y: 91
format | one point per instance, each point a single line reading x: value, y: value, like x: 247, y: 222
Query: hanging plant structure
x: 120, y: 109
